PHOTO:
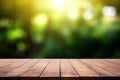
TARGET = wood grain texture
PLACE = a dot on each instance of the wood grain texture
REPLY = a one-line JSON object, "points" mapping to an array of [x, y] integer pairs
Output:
{"points": [[7, 62], [37, 69], [60, 69], [107, 67], [52, 70], [114, 60], [21, 69], [10, 67], [101, 72], [111, 66], [67, 70], [82, 69]]}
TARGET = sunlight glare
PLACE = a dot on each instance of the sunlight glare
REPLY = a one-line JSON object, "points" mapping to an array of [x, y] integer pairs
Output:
{"points": [[73, 14], [58, 4], [72, 10]]}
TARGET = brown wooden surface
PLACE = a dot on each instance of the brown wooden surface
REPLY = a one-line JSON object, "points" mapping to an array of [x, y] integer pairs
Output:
{"points": [[59, 69]]}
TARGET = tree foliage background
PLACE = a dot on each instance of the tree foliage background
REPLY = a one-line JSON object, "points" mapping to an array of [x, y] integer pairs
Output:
{"points": [[39, 29]]}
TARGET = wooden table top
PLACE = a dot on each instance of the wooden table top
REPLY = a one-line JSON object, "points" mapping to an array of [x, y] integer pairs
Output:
{"points": [[59, 69]]}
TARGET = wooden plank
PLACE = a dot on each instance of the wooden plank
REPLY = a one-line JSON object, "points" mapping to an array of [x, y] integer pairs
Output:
{"points": [[52, 71], [116, 61], [6, 69], [111, 64], [18, 71], [82, 69], [100, 71], [37, 69], [67, 70], [114, 67], [59, 69], [106, 67], [6, 62]]}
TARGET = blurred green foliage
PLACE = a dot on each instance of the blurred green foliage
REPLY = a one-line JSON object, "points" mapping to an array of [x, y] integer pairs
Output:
{"points": [[46, 29]]}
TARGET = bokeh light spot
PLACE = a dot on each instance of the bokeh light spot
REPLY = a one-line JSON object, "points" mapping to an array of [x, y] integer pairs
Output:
{"points": [[73, 14], [5, 22], [15, 34], [88, 15], [109, 11], [40, 20]]}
